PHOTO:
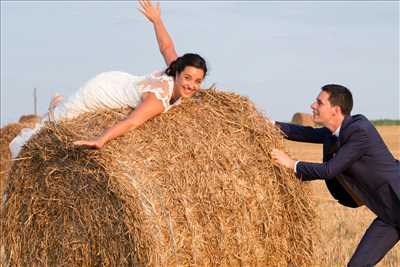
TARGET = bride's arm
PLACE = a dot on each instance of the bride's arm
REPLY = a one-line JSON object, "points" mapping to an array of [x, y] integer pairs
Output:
{"points": [[147, 109], [165, 42]]}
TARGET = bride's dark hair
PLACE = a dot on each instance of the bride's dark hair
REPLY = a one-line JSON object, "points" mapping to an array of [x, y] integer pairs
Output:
{"points": [[179, 64]]}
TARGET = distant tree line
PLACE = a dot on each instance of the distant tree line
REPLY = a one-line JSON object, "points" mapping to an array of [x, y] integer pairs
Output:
{"points": [[385, 122]]}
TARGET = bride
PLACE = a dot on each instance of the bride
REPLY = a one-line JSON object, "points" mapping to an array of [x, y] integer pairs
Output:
{"points": [[149, 95]]}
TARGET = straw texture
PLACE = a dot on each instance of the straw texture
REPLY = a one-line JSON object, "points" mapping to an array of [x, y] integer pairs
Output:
{"points": [[7, 134], [192, 187]]}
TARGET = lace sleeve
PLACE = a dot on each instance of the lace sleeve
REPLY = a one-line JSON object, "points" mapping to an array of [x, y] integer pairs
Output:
{"points": [[160, 85]]}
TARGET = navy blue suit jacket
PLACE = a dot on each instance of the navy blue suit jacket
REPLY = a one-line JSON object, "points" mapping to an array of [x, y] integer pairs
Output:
{"points": [[362, 159]]}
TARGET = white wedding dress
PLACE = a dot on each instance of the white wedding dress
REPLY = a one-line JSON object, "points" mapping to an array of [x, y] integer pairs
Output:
{"points": [[113, 89]]}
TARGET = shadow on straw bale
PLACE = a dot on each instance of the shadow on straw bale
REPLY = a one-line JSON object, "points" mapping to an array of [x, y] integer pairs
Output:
{"points": [[192, 187], [304, 119]]}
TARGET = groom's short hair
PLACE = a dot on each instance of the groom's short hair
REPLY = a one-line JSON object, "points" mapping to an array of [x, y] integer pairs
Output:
{"points": [[339, 96]]}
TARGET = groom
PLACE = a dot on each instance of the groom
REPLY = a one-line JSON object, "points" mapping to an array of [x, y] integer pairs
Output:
{"points": [[358, 168]]}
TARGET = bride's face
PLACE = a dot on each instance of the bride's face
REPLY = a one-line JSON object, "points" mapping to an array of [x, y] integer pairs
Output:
{"points": [[188, 81]]}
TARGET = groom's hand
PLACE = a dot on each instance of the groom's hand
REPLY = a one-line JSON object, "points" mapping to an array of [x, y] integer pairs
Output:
{"points": [[281, 158]]}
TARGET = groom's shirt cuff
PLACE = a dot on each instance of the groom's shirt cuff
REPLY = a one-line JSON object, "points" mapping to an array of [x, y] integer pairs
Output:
{"points": [[295, 166]]}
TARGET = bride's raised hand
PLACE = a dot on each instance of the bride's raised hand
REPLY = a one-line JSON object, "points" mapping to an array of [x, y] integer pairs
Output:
{"points": [[151, 12], [165, 42]]}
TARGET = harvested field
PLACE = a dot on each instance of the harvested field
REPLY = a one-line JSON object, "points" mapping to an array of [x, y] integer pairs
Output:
{"points": [[340, 228], [192, 187]]}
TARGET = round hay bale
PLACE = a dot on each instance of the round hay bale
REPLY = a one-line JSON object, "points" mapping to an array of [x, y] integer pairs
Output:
{"points": [[192, 187], [30, 119], [304, 119]]}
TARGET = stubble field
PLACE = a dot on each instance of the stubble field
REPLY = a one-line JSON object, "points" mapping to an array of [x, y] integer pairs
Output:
{"points": [[340, 228]]}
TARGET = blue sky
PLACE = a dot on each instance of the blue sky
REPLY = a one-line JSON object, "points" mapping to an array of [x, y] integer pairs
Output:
{"points": [[278, 53]]}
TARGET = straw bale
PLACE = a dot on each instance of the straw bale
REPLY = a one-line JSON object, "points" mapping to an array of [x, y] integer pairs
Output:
{"points": [[30, 119], [304, 119], [7, 134], [192, 187]]}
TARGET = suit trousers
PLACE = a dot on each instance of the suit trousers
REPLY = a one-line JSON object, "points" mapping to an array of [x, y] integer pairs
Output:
{"points": [[379, 238]]}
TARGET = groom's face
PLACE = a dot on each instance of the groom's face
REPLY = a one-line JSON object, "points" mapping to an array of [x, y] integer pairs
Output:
{"points": [[323, 111]]}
